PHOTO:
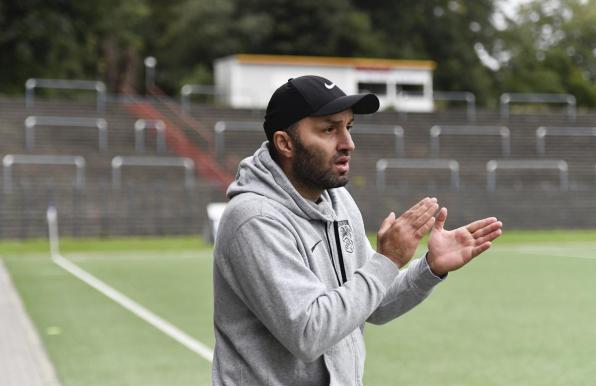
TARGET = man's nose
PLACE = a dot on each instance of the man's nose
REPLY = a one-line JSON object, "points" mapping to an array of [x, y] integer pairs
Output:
{"points": [[345, 141]]}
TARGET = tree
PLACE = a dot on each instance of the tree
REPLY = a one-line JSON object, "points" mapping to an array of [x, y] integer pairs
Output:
{"points": [[206, 30], [549, 47], [69, 39], [445, 31]]}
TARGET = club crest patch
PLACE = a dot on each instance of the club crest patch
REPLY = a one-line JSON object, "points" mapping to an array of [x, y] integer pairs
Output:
{"points": [[346, 235]]}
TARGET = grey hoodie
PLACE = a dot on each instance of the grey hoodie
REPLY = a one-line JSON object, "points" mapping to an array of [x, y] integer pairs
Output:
{"points": [[295, 281]]}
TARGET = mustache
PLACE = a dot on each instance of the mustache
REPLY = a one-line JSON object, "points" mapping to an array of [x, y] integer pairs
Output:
{"points": [[344, 153]]}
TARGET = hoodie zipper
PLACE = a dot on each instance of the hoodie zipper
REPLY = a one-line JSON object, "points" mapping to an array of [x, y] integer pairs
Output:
{"points": [[331, 254], [339, 253]]}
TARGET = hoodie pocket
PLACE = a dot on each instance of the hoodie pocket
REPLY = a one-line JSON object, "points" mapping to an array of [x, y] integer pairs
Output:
{"points": [[359, 354], [343, 363]]}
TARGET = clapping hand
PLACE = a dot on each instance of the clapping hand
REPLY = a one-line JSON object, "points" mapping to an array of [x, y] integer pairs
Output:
{"points": [[451, 250], [399, 237]]}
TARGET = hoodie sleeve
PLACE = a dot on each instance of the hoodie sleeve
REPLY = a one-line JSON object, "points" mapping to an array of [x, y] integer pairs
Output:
{"points": [[410, 288], [264, 267]]}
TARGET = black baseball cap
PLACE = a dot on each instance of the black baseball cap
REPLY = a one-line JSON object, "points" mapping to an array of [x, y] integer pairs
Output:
{"points": [[311, 95]]}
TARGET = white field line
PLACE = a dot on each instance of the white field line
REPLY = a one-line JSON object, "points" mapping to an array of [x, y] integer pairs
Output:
{"points": [[132, 306], [554, 251]]}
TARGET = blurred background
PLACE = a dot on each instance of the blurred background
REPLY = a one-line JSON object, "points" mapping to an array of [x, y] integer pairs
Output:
{"points": [[511, 82], [130, 117], [486, 47]]}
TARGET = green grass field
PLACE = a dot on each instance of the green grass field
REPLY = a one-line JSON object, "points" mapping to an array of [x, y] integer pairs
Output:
{"points": [[523, 313]]}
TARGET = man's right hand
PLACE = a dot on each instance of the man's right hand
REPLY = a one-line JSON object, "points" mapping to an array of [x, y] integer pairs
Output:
{"points": [[399, 237]]}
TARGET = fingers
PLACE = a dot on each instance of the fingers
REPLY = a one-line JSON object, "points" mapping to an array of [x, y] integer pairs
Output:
{"points": [[490, 237], [489, 233], [481, 248], [386, 224], [441, 217], [427, 205], [420, 214], [422, 219], [476, 225], [487, 229], [425, 228], [418, 208]]}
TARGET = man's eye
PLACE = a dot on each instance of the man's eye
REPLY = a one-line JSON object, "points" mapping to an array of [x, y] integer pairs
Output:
{"points": [[329, 130], [350, 127]]}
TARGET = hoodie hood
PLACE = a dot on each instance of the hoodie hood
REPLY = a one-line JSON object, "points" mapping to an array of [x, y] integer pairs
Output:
{"points": [[260, 174]]}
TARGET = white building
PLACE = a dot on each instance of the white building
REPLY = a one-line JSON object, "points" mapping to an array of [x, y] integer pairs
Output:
{"points": [[247, 81]]}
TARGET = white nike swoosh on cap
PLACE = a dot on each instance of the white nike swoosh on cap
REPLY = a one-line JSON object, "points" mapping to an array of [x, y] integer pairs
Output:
{"points": [[329, 86]]}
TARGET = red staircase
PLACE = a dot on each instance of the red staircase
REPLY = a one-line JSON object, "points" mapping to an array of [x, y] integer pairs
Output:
{"points": [[206, 165]]}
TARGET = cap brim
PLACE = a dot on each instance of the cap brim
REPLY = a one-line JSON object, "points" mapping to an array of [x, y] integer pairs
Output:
{"points": [[360, 104]]}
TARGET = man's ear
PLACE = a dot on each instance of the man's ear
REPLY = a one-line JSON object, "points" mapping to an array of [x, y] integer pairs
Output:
{"points": [[283, 144]]}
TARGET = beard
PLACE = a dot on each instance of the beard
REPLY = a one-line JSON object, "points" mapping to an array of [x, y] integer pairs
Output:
{"points": [[312, 169]]}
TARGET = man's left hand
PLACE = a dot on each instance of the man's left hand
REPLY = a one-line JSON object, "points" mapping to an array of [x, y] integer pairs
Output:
{"points": [[451, 250]]}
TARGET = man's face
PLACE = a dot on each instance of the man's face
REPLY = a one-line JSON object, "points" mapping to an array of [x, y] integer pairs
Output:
{"points": [[322, 148]]}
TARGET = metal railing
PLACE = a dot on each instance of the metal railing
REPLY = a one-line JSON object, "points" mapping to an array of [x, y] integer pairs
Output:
{"points": [[408, 163], [28, 159], [32, 122], [493, 165], [199, 89], [394, 130], [141, 125], [507, 98], [98, 87], [119, 161], [543, 131], [459, 96], [502, 131], [222, 126]]}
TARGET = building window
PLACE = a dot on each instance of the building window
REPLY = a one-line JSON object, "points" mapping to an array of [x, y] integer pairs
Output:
{"points": [[415, 90], [374, 88]]}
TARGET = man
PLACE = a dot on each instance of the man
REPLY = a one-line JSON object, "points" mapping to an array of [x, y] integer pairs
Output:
{"points": [[295, 277]]}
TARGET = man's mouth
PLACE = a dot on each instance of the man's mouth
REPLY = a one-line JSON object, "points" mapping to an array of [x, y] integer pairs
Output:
{"points": [[343, 164]]}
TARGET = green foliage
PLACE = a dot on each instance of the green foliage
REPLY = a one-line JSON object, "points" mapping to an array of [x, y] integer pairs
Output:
{"points": [[440, 30], [546, 47], [312, 27], [69, 39], [205, 31], [550, 48]]}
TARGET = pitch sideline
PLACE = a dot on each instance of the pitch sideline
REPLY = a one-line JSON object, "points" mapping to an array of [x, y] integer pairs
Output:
{"points": [[162, 325]]}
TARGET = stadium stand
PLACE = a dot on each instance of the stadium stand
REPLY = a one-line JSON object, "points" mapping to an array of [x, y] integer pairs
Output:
{"points": [[155, 200], [150, 201], [471, 152]]}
